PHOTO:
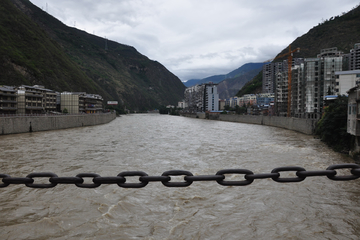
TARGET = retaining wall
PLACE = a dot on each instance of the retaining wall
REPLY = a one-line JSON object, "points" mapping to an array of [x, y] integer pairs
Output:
{"points": [[302, 125], [22, 124]]}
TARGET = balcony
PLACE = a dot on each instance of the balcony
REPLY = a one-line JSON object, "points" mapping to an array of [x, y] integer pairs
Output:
{"points": [[8, 94], [8, 101], [8, 108], [33, 108]]}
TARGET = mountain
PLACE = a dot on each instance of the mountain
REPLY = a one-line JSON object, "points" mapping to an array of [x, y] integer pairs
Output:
{"points": [[191, 82], [36, 48], [229, 84], [233, 74], [339, 31]]}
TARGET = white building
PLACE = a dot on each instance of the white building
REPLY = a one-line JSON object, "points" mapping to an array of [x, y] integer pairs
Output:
{"points": [[211, 97], [202, 98], [345, 80]]}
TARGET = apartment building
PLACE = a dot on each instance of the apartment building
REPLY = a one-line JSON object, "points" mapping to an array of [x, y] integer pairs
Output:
{"points": [[35, 99], [354, 57], [247, 100], [346, 80], [39, 100], [181, 105], [92, 103], [211, 97], [264, 99], [312, 79], [314, 84], [281, 93], [271, 70], [200, 98], [8, 102], [298, 87], [30, 100], [269, 76], [321, 80], [69, 102], [193, 97], [77, 102]]}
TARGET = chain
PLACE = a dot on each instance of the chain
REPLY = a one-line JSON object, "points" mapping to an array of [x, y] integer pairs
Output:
{"points": [[189, 178]]}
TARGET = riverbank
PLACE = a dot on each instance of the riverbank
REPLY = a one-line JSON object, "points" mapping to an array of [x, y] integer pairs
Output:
{"points": [[23, 124], [306, 126]]}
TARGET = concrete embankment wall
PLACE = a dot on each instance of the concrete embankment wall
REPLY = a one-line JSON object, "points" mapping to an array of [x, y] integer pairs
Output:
{"points": [[22, 124], [306, 126]]}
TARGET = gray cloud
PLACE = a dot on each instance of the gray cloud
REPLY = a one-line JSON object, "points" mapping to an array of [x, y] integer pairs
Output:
{"points": [[196, 39]]}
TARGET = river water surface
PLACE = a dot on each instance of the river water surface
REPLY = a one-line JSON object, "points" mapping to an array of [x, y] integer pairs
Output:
{"points": [[316, 208]]}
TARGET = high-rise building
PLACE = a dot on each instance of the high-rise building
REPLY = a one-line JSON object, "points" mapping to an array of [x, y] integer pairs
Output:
{"points": [[298, 91], [313, 86], [269, 75], [271, 70], [321, 80], [193, 97], [211, 97], [311, 80], [201, 98], [281, 93], [354, 57]]}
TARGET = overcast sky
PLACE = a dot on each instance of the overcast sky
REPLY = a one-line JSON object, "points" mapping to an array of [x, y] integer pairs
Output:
{"points": [[198, 38]]}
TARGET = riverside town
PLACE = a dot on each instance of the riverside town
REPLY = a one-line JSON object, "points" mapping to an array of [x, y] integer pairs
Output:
{"points": [[314, 81], [299, 88], [38, 100]]}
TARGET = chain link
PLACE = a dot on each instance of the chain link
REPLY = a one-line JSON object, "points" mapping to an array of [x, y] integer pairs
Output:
{"points": [[189, 178]]}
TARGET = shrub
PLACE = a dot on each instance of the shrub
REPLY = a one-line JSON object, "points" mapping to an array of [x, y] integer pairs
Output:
{"points": [[332, 127]]}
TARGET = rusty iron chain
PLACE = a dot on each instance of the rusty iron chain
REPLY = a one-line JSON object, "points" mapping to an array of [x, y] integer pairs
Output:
{"points": [[189, 178]]}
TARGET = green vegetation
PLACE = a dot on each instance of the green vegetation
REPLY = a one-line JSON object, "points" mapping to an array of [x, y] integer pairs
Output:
{"points": [[253, 86], [118, 108], [340, 31], [237, 109], [332, 126], [171, 111]]}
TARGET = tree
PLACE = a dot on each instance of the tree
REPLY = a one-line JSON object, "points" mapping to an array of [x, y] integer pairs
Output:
{"points": [[332, 127], [240, 110], [227, 107]]}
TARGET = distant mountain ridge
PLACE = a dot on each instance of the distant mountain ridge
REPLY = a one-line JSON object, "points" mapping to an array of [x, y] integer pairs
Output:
{"points": [[191, 82], [232, 82], [36, 48]]}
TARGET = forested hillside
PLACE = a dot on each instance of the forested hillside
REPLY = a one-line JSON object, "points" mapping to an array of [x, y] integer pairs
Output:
{"points": [[36, 48], [338, 31]]}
